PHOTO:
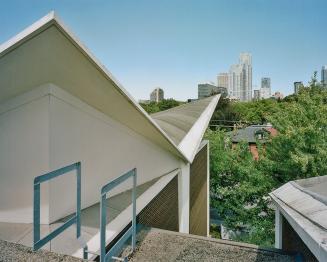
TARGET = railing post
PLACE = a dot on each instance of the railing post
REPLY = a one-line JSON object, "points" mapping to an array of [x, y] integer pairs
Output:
{"points": [[103, 219], [78, 198], [131, 232], [134, 210], [76, 219], [36, 213]]}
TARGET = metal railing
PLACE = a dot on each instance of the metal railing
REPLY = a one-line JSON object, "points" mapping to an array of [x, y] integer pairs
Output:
{"points": [[76, 219], [131, 232]]}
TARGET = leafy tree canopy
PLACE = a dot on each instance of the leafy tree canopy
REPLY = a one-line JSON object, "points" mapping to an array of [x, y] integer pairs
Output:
{"points": [[240, 186], [154, 107]]}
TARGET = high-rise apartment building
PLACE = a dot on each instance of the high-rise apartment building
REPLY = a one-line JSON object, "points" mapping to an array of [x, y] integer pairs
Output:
{"points": [[157, 95], [324, 75], [256, 94], [222, 80], [208, 89], [265, 90], [240, 78], [297, 86]]}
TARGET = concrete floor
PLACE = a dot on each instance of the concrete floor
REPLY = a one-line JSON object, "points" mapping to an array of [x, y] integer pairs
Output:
{"points": [[66, 242]]}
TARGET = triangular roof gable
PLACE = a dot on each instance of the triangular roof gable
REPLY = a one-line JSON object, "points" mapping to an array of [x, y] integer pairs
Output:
{"points": [[61, 70], [186, 124]]}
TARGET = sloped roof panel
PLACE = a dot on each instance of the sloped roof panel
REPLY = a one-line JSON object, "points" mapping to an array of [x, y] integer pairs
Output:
{"points": [[304, 204], [186, 124], [47, 52]]}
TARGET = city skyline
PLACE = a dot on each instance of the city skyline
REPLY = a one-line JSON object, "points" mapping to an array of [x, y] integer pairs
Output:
{"points": [[176, 45]]}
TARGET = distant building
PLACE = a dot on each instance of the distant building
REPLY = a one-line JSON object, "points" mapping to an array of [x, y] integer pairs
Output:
{"points": [[208, 89], [324, 75], [157, 95], [240, 78], [256, 94], [297, 86], [223, 80], [278, 95], [265, 90], [144, 101]]}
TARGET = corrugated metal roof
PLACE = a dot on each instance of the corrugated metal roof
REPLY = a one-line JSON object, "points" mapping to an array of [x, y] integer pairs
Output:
{"points": [[177, 121]]}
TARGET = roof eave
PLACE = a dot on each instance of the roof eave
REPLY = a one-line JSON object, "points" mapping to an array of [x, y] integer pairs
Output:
{"points": [[52, 19], [193, 138]]}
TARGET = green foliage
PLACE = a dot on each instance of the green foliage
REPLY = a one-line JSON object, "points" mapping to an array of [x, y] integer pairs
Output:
{"points": [[225, 111], [154, 107], [256, 112], [240, 185]]}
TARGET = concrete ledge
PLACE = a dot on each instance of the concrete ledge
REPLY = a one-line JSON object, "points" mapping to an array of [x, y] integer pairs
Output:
{"points": [[16, 252], [161, 245]]}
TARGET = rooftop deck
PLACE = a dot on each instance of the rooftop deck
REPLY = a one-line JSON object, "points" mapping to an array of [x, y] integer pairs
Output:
{"points": [[66, 242], [161, 245]]}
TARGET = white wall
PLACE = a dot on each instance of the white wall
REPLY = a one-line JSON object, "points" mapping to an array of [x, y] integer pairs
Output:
{"points": [[24, 154], [48, 132]]}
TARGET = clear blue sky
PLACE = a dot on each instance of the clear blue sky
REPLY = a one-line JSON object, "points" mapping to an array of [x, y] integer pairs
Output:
{"points": [[175, 44]]}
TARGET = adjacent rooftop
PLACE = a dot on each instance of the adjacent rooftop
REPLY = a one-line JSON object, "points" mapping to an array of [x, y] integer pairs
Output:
{"points": [[304, 204], [173, 246]]}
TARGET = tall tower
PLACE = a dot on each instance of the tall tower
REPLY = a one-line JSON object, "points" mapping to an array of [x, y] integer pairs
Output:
{"points": [[222, 80], [265, 90], [246, 85], [157, 95], [234, 82], [240, 78], [324, 75]]}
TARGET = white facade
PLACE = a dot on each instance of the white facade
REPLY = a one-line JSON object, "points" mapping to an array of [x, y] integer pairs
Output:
{"points": [[58, 106], [46, 129], [265, 93], [157, 95], [324, 75], [222, 80], [240, 78]]}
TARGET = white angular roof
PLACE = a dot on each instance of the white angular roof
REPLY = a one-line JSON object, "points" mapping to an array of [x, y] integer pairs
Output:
{"points": [[47, 52]]}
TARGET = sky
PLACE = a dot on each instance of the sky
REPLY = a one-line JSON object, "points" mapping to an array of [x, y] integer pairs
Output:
{"points": [[176, 44]]}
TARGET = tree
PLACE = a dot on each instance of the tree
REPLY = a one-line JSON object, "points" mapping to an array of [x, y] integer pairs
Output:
{"points": [[239, 185], [154, 107]]}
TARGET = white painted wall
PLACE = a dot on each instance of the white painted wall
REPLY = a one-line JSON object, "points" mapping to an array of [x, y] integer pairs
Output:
{"points": [[184, 198], [106, 149], [278, 229], [24, 154], [52, 129]]}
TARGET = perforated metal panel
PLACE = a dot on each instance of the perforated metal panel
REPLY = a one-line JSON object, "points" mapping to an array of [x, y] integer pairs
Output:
{"points": [[162, 211], [198, 194]]}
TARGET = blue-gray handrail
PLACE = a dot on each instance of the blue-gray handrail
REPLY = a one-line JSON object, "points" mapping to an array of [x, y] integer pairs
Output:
{"points": [[76, 219], [131, 232]]}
